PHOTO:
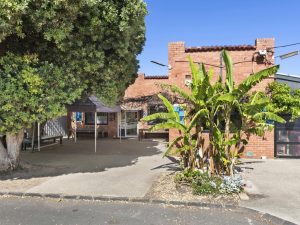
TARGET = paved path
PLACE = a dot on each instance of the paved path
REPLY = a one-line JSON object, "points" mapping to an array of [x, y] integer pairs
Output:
{"points": [[125, 169], [274, 187], [34, 211]]}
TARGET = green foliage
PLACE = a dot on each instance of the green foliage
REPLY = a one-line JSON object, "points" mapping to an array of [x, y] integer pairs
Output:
{"points": [[184, 143], [205, 184], [211, 106], [31, 91], [94, 42], [284, 100]]}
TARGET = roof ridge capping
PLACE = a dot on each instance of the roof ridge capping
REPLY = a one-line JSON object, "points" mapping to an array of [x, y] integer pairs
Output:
{"points": [[220, 47], [156, 76]]}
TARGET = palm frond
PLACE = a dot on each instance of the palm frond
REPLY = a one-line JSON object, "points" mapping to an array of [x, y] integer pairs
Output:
{"points": [[268, 116], [229, 70], [168, 125], [179, 91], [254, 79], [196, 117], [164, 116], [228, 97], [169, 106], [196, 76], [174, 142]]}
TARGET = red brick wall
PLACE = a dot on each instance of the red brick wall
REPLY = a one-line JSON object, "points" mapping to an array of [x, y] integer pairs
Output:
{"points": [[144, 87], [178, 58]]}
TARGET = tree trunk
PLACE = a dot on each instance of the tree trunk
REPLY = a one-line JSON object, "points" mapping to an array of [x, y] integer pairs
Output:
{"points": [[4, 160], [10, 157], [200, 146], [227, 132], [211, 147]]}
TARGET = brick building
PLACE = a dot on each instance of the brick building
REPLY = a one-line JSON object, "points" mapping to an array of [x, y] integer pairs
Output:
{"points": [[247, 59]]}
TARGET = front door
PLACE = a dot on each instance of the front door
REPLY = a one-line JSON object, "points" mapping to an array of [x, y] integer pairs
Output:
{"points": [[129, 123]]}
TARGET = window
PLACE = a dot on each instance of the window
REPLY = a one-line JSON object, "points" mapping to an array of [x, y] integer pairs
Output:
{"points": [[102, 118], [287, 138]]}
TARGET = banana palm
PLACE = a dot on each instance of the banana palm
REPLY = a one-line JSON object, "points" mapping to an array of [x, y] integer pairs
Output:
{"points": [[184, 143], [253, 113], [201, 96], [209, 104]]}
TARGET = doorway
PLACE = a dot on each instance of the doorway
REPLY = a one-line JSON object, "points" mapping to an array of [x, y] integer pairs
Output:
{"points": [[129, 123]]}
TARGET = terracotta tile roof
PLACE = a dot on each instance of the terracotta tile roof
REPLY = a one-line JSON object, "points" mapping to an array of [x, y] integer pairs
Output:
{"points": [[156, 76], [219, 48]]}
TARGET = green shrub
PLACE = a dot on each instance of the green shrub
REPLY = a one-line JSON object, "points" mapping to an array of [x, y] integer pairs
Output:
{"points": [[204, 184]]}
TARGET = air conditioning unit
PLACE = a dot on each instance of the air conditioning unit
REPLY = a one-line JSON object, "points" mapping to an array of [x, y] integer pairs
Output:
{"points": [[187, 82], [263, 52]]}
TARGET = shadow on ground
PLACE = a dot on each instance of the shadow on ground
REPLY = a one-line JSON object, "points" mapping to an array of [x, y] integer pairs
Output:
{"points": [[80, 157]]}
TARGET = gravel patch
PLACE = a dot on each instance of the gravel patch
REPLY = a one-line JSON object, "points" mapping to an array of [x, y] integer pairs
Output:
{"points": [[165, 188]]}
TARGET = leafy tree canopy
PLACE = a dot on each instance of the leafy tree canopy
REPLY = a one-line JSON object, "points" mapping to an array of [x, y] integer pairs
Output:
{"points": [[93, 41], [31, 91], [284, 100]]}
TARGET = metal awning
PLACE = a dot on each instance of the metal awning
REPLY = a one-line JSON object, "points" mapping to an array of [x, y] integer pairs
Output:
{"points": [[91, 104]]}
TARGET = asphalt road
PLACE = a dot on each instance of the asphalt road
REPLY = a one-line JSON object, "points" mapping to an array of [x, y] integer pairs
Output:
{"points": [[31, 211]]}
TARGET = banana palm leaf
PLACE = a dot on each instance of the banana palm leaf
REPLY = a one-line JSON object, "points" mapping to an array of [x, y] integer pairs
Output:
{"points": [[228, 97], [229, 70], [169, 106], [180, 92], [200, 113], [155, 116], [174, 142], [268, 116], [168, 125], [254, 79]]}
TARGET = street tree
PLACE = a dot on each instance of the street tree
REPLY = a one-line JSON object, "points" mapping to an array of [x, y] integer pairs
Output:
{"points": [[53, 51]]}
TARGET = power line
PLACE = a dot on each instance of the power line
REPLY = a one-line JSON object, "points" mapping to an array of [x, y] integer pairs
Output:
{"points": [[283, 46]]}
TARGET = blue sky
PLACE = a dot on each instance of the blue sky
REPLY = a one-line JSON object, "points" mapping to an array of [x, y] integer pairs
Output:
{"points": [[223, 22]]}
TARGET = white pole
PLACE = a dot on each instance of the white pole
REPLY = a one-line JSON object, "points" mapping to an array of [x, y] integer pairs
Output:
{"points": [[39, 137], [95, 132], [75, 129], [120, 131], [33, 136]]}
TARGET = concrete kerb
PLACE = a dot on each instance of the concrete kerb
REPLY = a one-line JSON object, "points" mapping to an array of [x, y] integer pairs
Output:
{"points": [[266, 216]]}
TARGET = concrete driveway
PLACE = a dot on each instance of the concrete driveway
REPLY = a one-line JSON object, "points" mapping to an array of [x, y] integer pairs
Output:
{"points": [[274, 187], [125, 169]]}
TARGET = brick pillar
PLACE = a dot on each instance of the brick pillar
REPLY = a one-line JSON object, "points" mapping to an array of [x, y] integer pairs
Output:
{"points": [[175, 49], [258, 146]]}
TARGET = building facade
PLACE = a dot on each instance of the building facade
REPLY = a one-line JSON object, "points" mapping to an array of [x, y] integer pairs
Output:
{"points": [[247, 59], [140, 98]]}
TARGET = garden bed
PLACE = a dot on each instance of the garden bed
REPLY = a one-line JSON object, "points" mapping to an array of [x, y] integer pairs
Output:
{"points": [[165, 188]]}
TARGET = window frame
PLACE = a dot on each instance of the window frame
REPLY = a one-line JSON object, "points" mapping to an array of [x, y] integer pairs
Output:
{"points": [[98, 122]]}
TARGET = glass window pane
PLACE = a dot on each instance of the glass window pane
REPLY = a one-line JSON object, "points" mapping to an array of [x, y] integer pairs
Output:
{"points": [[288, 149], [102, 118], [89, 118]]}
